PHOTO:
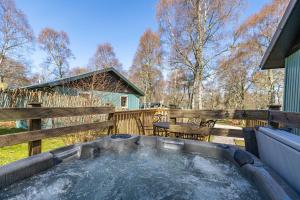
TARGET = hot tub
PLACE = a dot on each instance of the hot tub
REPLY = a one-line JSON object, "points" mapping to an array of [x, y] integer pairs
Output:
{"points": [[141, 167]]}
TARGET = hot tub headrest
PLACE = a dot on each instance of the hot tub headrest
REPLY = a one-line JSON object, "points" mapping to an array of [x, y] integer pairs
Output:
{"points": [[242, 158], [120, 136]]}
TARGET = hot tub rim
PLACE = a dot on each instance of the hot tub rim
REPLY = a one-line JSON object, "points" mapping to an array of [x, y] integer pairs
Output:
{"points": [[269, 183]]}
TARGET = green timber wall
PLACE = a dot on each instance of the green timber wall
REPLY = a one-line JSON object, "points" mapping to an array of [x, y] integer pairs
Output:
{"points": [[113, 98], [291, 100]]}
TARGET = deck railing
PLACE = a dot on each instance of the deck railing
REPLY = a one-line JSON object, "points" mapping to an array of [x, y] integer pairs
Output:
{"points": [[124, 121], [255, 123], [214, 115], [35, 113]]}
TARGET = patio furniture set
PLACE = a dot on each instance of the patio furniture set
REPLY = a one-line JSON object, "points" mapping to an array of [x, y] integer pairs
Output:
{"points": [[161, 127]]}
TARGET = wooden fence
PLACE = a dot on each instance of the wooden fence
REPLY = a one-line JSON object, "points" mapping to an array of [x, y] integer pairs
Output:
{"points": [[35, 134], [214, 115], [254, 123], [124, 121]]}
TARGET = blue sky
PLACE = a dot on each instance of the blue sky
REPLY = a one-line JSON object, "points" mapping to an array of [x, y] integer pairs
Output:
{"points": [[91, 22]]}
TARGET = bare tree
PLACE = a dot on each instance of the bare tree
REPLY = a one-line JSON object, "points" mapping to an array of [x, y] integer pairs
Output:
{"points": [[178, 88], [145, 70], [105, 57], [98, 85], [78, 70], [36, 78], [17, 75], [235, 77], [195, 31], [257, 32], [239, 71], [213, 98], [16, 37], [56, 45]]}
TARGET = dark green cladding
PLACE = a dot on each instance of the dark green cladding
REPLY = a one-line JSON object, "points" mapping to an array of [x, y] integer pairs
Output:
{"points": [[292, 84]]}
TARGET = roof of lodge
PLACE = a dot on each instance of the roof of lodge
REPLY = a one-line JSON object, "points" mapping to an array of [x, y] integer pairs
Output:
{"points": [[85, 75], [286, 39]]}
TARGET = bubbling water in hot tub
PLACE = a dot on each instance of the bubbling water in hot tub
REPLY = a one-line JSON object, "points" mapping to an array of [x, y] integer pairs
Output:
{"points": [[146, 173]]}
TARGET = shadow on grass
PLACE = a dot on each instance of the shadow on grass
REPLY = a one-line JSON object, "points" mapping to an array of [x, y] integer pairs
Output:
{"points": [[7, 130], [16, 152]]}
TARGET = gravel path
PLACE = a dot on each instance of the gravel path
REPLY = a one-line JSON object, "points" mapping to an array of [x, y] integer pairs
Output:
{"points": [[222, 139]]}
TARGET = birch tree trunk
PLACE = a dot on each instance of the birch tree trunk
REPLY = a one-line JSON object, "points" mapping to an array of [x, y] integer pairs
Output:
{"points": [[197, 92]]}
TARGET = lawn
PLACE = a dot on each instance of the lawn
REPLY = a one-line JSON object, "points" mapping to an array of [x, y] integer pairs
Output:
{"points": [[12, 153], [6, 130], [240, 143]]}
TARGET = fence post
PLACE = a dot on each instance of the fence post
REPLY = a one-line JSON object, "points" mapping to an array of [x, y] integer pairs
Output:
{"points": [[34, 147], [270, 123], [172, 120], [250, 141], [112, 130]]}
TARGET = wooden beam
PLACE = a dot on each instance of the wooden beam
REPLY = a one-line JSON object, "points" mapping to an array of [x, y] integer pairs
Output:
{"points": [[220, 114], [17, 138], [227, 132], [206, 131], [7, 114], [112, 129], [290, 119], [34, 147], [270, 122]]}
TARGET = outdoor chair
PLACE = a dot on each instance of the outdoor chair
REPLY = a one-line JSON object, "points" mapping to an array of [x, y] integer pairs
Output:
{"points": [[195, 121], [160, 118], [157, 118], [201, 123], [209, 123], [142, 129], [160, 131]]}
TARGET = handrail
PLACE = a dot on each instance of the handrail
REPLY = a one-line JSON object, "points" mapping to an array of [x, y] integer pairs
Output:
{"points": [[37, 113], [17, 138], [124, 121], [290, 119], [221, 114]]}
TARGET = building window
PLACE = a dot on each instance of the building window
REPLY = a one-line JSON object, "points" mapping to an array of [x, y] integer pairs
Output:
{"points": [[124, 101]]}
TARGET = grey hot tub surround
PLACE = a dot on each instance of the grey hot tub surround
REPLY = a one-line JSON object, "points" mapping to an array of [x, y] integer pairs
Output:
{"points": [[269, 183], [280, 150]]}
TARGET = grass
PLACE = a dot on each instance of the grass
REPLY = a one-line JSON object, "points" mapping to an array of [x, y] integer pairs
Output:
{"points": [[211, 138], [240, 143], [16, 152], [6, 130]]}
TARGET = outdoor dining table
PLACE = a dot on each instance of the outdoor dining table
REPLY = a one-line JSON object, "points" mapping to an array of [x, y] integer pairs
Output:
{"points": [[165, 126]]}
